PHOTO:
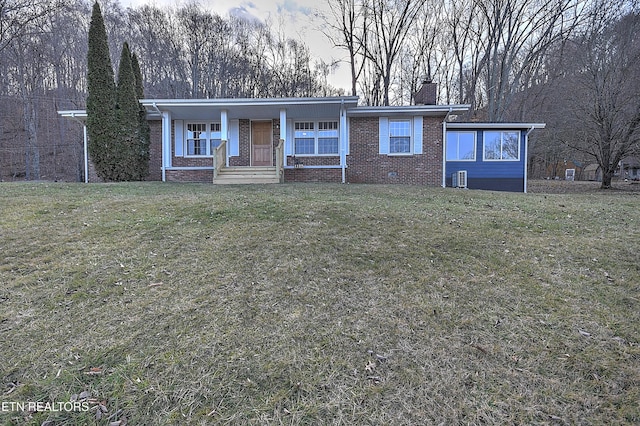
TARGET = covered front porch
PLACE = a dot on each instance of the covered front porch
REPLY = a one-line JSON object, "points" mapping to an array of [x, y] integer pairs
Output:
{"points": [[250, 140]]}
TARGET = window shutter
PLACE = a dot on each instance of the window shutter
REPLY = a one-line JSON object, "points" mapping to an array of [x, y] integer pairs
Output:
{"points": [[234, 138], [288, 142], [384, 135], [179, 137], [417, 135]]}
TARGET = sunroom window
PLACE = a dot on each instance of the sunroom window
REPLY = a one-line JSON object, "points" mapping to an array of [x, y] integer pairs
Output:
{"points": [[502, 146], [461, 146]]}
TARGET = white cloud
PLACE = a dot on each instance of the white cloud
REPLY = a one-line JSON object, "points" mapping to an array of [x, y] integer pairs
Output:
{"points": [[292, 7]]}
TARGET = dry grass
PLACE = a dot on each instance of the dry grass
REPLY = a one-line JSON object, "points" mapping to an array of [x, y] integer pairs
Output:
{"points": [[305, 304]]}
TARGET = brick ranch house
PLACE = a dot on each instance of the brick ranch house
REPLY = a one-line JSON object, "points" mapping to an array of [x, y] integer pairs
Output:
{"points": [[329, 139]]}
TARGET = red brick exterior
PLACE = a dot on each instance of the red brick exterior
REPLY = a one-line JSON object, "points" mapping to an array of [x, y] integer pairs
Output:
{"points": [[190, 175], [366, 165], [244, 159], [155, 151]]}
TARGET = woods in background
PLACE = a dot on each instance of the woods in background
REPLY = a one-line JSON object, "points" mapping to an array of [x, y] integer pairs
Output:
{"points": [[556, 61]]}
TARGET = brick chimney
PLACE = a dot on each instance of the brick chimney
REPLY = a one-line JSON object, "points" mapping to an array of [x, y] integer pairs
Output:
{"points": [[427, 94]]}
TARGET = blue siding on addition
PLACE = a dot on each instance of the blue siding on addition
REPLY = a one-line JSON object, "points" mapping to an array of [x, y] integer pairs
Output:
{"points": [[496, 175]]}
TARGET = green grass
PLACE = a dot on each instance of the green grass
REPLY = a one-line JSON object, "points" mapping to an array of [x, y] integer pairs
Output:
{"points": [[319, 304]]}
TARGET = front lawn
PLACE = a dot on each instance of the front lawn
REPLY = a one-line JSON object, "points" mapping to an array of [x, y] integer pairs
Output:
{"points": [[318, 304]]}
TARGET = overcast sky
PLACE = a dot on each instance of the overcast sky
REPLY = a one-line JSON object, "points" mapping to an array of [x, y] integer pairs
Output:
{"points": [[300, 19]]}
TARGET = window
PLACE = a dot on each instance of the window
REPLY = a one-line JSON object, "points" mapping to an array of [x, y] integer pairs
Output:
{"points": [[502, 146], [215, 137], [399, 136], [316, 138], [461, 146], [196, 139], [202, 138]]}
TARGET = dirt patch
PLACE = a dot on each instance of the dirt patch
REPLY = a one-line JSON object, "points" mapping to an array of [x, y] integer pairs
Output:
{"points": [[578, 187]]}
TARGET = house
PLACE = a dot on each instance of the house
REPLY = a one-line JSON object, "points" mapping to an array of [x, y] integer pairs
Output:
{"points": [[630, 168], [330, 139]]}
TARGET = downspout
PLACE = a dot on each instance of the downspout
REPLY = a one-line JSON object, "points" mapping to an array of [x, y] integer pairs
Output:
{"points": [[444, 148], [164, 167], [85, 148], [526, 157]]}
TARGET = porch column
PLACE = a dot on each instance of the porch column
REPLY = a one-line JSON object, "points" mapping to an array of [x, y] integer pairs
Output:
{"points": [[343, 139], [224, 131], [283, 134], [166, 143]]}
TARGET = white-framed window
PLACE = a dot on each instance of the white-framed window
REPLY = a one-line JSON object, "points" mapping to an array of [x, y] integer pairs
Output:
{"points": [[315, 138], [399, 136], [502, 145], [202, 139], [461, 146]]}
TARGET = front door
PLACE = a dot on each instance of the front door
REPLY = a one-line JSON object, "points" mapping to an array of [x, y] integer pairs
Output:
{"points": [[261, 143]]}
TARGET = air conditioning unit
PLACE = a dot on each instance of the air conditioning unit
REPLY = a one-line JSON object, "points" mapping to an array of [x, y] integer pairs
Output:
{"points": [[459, 179]]}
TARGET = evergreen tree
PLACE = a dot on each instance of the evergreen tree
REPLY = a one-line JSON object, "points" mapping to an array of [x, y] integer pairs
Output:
{"points": [[128, 118], [145, 131], [101, 121]]}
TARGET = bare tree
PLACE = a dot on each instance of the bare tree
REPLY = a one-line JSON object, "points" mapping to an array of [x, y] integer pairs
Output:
{"points": [[391, 22], [348, 29], [605, 118]]}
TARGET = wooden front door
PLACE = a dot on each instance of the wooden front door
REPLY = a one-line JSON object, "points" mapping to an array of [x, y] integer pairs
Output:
{"points": [[261, 143]]}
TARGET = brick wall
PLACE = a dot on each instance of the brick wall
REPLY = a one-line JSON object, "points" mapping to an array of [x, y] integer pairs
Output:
{"points": [[367, 166], [244, 159], [313, 175], [189, 175], [155, 151]]}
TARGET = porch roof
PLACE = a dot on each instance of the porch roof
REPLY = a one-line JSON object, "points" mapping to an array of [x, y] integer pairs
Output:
{"points": [[257, 109]]}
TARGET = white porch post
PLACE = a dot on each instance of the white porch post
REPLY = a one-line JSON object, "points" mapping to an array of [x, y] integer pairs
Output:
{"points": [[224, 131], [166, 143], [283, 133], [343, 142]]}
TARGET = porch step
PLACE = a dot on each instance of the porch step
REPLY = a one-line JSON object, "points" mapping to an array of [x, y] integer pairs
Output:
{"points": [[246, 175]]}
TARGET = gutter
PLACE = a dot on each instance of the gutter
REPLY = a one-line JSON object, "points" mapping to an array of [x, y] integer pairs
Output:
{"points": [[156, 108]]}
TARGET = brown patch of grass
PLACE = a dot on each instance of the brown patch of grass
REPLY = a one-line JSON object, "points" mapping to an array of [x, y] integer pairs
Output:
{"points": [[319, 304], [579, 187]]}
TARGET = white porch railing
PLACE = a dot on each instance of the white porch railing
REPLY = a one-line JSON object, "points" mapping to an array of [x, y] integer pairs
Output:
{"points": [[280, 161], [219, 158]]}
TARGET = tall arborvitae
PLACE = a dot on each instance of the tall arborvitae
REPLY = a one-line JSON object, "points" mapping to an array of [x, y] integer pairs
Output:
{"points": [[101, 120], [127, 117], [145, 131]]}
